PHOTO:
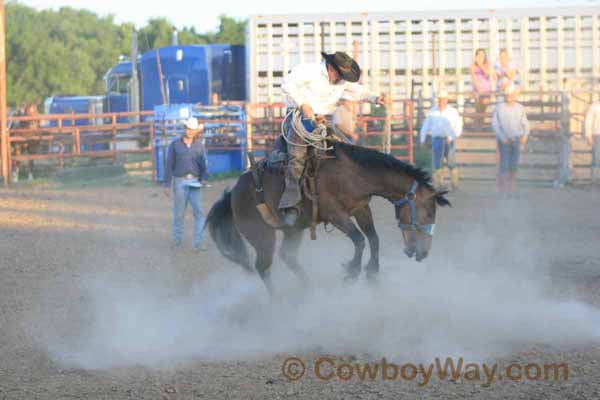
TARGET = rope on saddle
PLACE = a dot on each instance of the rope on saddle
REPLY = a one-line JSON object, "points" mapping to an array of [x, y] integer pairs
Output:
{"points": [[317, 138]]}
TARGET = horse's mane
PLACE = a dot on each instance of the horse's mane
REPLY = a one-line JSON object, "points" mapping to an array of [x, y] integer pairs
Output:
{"points": [[374, 159]]}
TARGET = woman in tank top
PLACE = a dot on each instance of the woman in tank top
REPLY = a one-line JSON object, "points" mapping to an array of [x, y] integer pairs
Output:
{"points": [[482, 75]]}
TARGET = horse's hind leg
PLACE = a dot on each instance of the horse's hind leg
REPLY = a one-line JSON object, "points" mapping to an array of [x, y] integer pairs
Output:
{"points": [[290, 246], [262, 238], [364, 218]]}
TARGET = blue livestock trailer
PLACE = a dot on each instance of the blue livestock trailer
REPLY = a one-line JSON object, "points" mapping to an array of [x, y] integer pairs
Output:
{"points": [[79, 105]]}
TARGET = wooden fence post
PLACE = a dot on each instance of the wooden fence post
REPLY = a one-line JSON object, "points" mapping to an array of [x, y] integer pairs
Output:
{"points": [[249, 139], [4, 142], [564, 174], [152, 151], [387, 132], [77, 142], [411, 146]]}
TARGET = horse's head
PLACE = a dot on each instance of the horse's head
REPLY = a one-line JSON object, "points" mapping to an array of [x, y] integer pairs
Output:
{"points": [[415, 213]]}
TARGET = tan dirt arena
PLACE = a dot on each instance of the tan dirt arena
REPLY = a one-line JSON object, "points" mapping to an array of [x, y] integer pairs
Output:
{"points": [[94, 304]]}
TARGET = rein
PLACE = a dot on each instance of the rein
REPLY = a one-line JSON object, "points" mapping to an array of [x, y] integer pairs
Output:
{"points": [[409, 198]]}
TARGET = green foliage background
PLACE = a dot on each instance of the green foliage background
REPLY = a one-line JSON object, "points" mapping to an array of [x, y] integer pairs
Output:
{"points": [[67, 52]]}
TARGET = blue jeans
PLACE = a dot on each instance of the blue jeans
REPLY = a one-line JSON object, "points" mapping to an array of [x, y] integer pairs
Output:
{"points": [[509, 155], [182, 195], [442, 149]]}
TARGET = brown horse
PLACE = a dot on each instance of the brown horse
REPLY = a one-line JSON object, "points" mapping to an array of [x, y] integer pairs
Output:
{"points": [[345, 182], [31, 146]]}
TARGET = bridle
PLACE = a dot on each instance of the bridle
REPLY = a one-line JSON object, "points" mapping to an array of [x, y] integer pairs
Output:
{"points": [[409, 198]]}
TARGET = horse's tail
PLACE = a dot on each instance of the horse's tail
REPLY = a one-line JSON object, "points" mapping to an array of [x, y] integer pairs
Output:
{"points": [[225, 234]]}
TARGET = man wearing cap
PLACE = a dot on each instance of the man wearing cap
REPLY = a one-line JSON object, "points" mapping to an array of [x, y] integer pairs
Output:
{"points": [[511, 126], [592, 134], [316, 88], [444, 124], [186, 167]]}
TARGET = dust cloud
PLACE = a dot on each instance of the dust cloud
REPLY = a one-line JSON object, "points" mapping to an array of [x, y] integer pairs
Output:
{"points": [[482, 293]]}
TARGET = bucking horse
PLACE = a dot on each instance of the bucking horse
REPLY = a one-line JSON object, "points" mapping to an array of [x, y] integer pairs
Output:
{"points": [[345, 178]]}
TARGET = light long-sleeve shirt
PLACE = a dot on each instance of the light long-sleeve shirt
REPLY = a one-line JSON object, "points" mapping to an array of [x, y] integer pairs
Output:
{"points": [[442, 123], [510, 121], [309, 84], [592, 120]]}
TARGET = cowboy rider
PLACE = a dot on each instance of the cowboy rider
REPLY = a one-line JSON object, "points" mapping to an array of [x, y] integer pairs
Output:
{"points": [[316, 88]]}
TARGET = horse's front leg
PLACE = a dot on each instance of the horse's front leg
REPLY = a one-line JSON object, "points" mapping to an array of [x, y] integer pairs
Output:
{"points": [[364, 218], [345, 224], [292, 240]]}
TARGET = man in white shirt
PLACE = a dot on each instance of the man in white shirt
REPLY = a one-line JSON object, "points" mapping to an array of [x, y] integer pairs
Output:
{"points": [[316, 88], [592, 134], [444, 124]]}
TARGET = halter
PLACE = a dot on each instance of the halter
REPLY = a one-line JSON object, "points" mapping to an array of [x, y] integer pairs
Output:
{"points": [[409, 198]]}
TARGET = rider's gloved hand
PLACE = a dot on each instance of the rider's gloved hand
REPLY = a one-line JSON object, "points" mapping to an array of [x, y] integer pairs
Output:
{"points": [[307, 111]]}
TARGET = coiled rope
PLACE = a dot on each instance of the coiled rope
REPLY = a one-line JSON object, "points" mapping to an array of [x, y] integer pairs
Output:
{"points": [[317, 138]]}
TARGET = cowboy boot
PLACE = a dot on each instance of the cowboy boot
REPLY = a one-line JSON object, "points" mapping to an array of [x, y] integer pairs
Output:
{"points": [[454, 178], [502, 183], [512, 184]]}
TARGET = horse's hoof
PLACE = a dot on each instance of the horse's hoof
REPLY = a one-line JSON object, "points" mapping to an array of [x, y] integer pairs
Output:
{"points": [[350, 266], [373, 277], [351, 278]]}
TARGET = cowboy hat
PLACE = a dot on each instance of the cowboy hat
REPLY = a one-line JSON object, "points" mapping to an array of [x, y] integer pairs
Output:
{"points": [[192, 124], [442, 94], [344, 65]]}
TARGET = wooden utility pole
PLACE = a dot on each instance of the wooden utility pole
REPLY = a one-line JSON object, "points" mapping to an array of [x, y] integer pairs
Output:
{"points": [[4, 145], [134, 84], [434, 71]]}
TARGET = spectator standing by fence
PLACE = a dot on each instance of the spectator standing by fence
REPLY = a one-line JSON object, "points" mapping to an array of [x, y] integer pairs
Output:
{"points": [[186, 167], [592, 134], [344, 118], [482, 75], [444, 124], [511, 126], [506, 71]]}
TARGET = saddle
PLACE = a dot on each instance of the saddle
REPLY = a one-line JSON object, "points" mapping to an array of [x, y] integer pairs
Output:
{"points": [[277, 160]]}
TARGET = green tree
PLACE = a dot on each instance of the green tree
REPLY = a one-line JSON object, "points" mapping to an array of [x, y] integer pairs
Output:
{"points": [[67, 52], [59, 52], [157, 33], [231, 31]]}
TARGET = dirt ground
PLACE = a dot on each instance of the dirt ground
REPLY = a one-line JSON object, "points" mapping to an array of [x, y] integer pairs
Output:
{"points": [[55, 241]]}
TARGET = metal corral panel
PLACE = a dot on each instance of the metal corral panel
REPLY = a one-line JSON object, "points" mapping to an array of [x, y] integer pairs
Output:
{"points": [[550, 46], [225, 138]]}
